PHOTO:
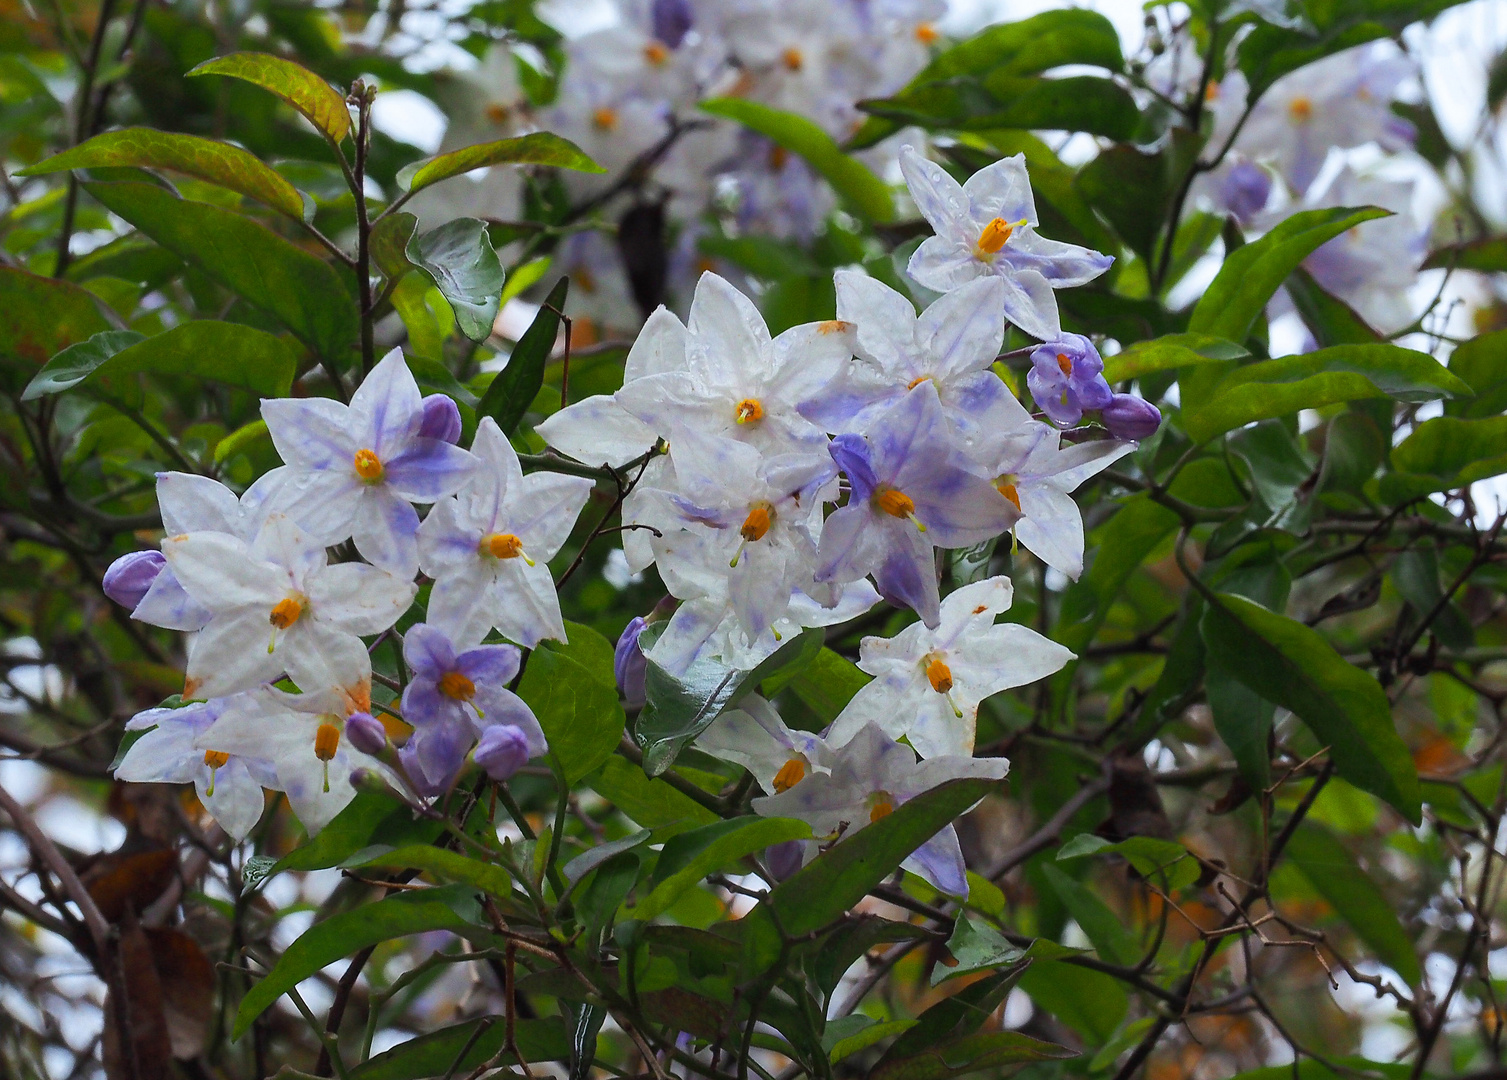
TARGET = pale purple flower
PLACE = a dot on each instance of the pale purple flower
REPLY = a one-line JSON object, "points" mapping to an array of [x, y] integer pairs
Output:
{"points": [[441, 419], [366, 733], [1067, 379], [987, 227], [629, 665], [1131, 418], [909, 494], [502, 751], [355, 470], [130, 577], [453, 696]]}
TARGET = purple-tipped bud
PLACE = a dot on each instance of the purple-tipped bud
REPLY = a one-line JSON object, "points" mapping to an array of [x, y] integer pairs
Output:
{"points": [[1245, 190], [671, 20], [1131, 418], [441, 419], [372, 782], [502, 751], [784, 858], [366, 733], [629, 664], [130, 576]]}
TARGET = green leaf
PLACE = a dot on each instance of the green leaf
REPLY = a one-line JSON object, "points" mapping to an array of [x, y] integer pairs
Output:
{"points": [[650, 802], [324, 943], [1481, 362], [1090, 1002], [39, 317], [1165, 862], [832, 883], [970, 1054], [866, 1037], [1001, 101], [1243, 719], [1328, 318], [1350, 1068], [1167, 353], [827, 684], [580, 714], [228, 353], [1103, 928], [1355, 897], [1050, 39], [366, 819], [1445, 453], [1293, 666], [515, 387], [321, 104], [1121, 545], [435, 1053], [977, 946], [217, 163], [538, 148], [273, 274], [1273, 388], [691, 856], [442, 863], [1252, 273], [459, 259], [1486, 256], [868, 195]]}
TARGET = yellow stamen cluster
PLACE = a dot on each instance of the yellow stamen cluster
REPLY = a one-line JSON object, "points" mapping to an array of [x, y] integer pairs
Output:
{"points": [[503, 546], [917, 381], [326, 742], [1006, 487], [995, 235], [498, 113], [456, 686], [285, 612], [1300, 109], [897, 503], [216, 760], [880, 808], [926, 33], [368, 466], [790, 774], [778, 156], [604, 119], [757, 523], [748, 411], [939, 675], [793, 58], [656, 53], [1065, 363]]}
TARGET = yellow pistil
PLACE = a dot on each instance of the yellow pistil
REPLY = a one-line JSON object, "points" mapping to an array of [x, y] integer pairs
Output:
{"points": [[284, 614], [790, 774], [1300, 109], [216, 760], [881, 807], [456, 686], [604, 119], [326, 742], [503, 546], [897, 503], [656, 53], [793, 58], [926, 33], [748, 411], [996, 235], [368, 466]]}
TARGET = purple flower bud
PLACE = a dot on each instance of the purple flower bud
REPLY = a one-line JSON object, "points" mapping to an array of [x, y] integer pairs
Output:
{"points": [[502, 751], [130, 576], [1131, 418], [784, 858], [1245, 190], [441, 419], [366, 733], [629, 664], [671, 20]]}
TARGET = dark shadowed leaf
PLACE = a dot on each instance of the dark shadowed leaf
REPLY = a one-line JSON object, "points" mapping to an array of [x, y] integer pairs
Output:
{"points": [[42, 316], [435, 1053], [515, 387], [691, 856]]}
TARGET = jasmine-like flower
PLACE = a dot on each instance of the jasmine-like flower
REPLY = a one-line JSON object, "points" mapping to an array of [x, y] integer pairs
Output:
{"points": [[454, 695], [754, 736], [909, 493], [928, 683], [1067, 379], [951, 345], [987, 227], [277, 606], [302, 736], [228, 785], [870, 776], [355, 470], [488, 548]]}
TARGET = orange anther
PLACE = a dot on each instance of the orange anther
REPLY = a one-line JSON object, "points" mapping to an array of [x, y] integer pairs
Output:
{"points": [[994, 236], [939, 675], [326, 741], [790, 774], [502, 546], [285, 612], [456, 686], [368, 466], [748, 411], [757, 523], [895, 503]]}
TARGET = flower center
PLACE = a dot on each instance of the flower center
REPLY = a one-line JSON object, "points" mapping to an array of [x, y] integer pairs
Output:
{"points": [[604, 119], [917, 381], [880, 806], [1006, 487], [1211, 92], [757, 523], [456, 686], [498, 113], [215, 759], [926, 33], [1300, 109], [790, 774], [326, 742], [939, 674], [284, 614], [368, 467], [583, 280], [656, 53], [1065, 362], [748, 411], [793, 58], [995, 235]]}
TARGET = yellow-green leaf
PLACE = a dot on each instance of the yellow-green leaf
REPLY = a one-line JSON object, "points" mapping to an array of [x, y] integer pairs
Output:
{"points": [[321, 104], [539, 148]]}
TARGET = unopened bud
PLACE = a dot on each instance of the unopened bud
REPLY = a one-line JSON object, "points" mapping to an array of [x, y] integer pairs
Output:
{"points": [[441, 419], [629, 664], [671, 20], [366, 733], [502, 751], [130, 576], [784, 858], [1131, 418], [371, 782]]}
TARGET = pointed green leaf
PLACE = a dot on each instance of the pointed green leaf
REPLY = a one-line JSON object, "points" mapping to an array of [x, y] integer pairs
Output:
{"points": [[434, 1053], [691, 856], [1446, 453], [215, 162], [1168, 352], [459, 259], [321, 104], [986, 1050], [579, 712], [39, 317], [441, 862], [515, 386], [538, 148]]}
